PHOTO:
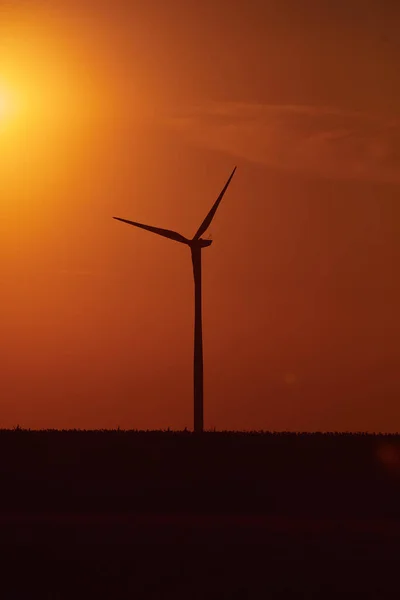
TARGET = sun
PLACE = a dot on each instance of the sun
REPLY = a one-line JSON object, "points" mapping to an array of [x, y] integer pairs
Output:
{"points": [[7, 105], [3, 104]]}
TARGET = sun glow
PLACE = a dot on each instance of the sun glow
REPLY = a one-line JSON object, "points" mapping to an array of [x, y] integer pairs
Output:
{"points": [[50, 95], [50, 86]]}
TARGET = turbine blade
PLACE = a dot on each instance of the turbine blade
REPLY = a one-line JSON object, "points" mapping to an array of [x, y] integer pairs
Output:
{"points": [[207, 221], [172, 235]]}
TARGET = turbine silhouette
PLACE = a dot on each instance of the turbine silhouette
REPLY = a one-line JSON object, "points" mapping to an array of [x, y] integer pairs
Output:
{"points": [[196, 245]]}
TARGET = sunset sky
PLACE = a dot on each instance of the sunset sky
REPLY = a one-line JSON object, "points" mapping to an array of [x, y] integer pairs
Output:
{"points": [[141, 109]]}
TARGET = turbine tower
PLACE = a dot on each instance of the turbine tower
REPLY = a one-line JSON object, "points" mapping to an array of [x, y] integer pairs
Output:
{"points": [[196, 245]]}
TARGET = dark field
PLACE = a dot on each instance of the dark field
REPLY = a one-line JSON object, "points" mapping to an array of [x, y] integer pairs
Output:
{"points": [[226, 515]]}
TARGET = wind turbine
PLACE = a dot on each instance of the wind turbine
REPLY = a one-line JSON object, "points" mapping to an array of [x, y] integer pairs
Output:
{"points": [[196, 244]]}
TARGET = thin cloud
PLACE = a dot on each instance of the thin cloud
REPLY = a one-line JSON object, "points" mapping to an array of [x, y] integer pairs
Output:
{"points": [[321, 141]]}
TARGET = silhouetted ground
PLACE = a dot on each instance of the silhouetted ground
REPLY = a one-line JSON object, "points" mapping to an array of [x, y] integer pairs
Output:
{"points": [[114, 514], [289, 474]]}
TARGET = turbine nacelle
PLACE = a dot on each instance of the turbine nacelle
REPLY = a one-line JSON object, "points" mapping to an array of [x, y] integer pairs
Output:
{"points": [[200, 243]]}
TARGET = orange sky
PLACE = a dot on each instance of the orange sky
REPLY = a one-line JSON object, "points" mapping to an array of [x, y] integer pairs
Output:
{"points": [[141, 109]]}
